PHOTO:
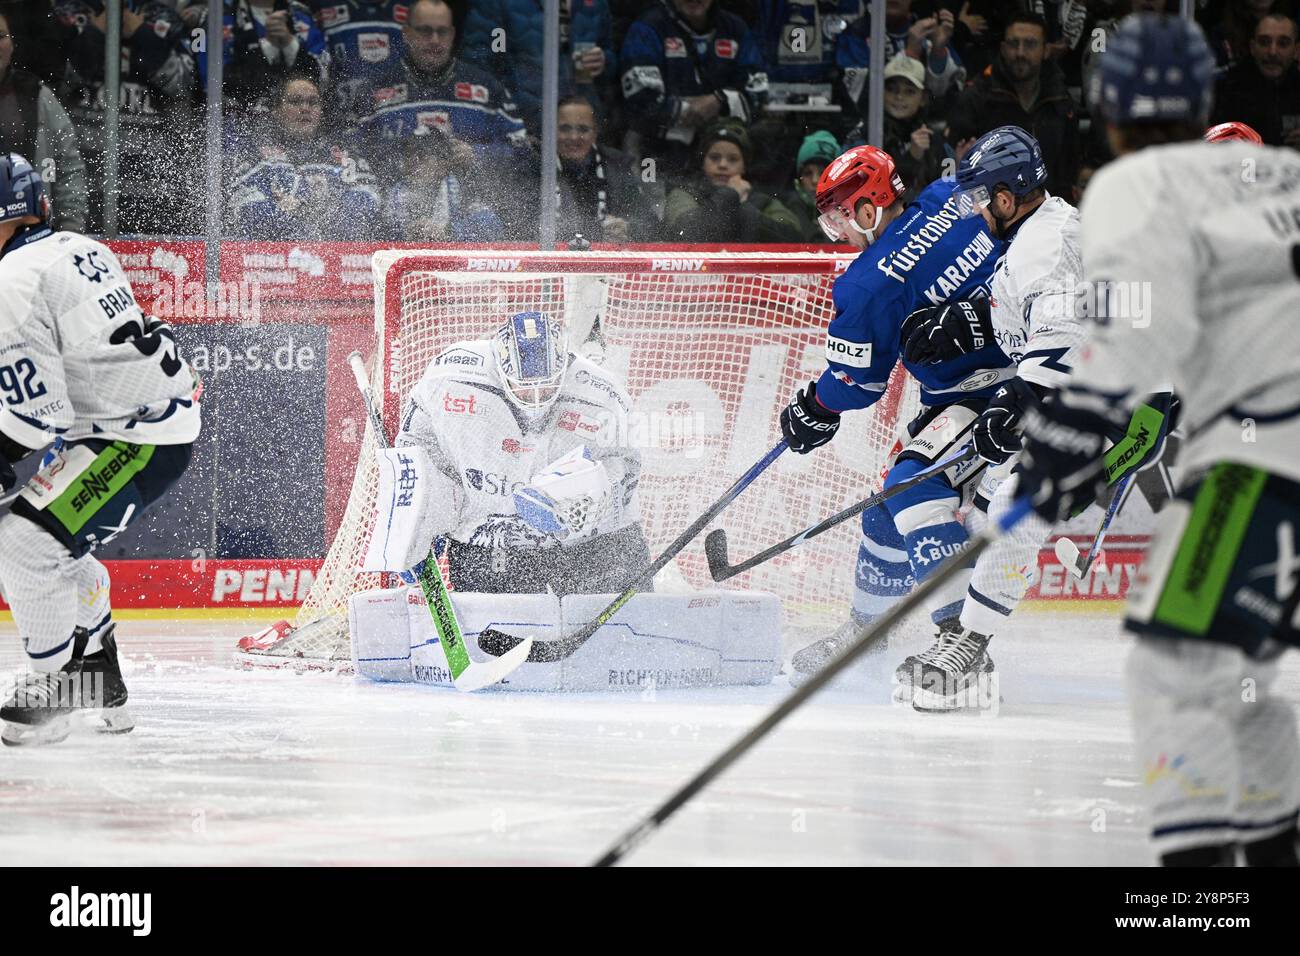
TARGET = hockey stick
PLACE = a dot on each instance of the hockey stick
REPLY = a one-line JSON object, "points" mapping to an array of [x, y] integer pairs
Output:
{"points": [[496, 642], [715, 543], [866, 637], [1067, 552], [466, 674]]}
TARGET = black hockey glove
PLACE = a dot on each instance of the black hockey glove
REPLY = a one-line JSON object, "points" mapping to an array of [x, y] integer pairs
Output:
{"points": [[1062, 466], [997, 431], [948, 331], [806, 423]]}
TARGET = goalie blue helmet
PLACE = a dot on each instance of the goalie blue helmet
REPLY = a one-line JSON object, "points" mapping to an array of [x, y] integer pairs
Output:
{"points": [[531, 357], [1157, 68], [1004, 158], [22, 190]]}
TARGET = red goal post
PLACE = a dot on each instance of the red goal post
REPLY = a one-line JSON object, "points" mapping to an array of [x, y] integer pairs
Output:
{"points": [[710, 346]]}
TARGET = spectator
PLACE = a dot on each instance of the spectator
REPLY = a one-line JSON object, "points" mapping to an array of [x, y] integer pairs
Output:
{"points": [[925, 39], [600, 193], [265, 41], [718, 204], [33, 123], [158, 129], [430, 203], [685, 63], [1263, 89], [918, 152], [1025, 89], [1231, 37], [1105, 27], [797, 39], [815, 154], [976, 26], [290, 182], [364, 38], [587, 61], [433, 90]]}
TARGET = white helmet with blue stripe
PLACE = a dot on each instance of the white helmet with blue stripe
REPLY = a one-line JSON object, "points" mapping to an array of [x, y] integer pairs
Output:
{"points": [[531, 356]]}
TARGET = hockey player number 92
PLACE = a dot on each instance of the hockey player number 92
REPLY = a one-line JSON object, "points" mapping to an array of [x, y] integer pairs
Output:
{"points": [[148, 337], [18, 381]]}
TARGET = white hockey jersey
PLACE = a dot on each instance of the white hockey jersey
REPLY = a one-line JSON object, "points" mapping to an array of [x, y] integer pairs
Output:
{"points": [[78, 357], [1198, 248], [1033, 305], [484, 450]]}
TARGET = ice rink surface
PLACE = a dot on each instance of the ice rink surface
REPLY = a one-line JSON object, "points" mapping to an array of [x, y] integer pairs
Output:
{"points": [[235, 767]]}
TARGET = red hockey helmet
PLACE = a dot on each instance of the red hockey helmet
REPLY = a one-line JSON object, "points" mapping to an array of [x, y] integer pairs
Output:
{"points": [[861, 173], [1226, 132]]}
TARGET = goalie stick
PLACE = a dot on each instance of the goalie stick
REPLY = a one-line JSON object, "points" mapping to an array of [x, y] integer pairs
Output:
{"points": [[715, 543], [866, 637], [496, 642], [467, 674]]}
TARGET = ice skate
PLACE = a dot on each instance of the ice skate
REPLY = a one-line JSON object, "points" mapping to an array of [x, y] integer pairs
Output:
{"points": [[43, 707], [818, 654], [950, 678], [905, 675]]}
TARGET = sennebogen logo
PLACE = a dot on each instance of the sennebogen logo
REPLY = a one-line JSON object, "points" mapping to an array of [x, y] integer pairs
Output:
{"points": [[103, 909]]}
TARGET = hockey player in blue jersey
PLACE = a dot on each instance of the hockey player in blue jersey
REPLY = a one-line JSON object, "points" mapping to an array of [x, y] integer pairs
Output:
{"points": [[914, 258]]}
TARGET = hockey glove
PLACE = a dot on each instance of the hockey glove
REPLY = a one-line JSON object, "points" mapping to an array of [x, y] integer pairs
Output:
{"points": [[997, 431], [806, 423], [1062, 464], [947, 331]]}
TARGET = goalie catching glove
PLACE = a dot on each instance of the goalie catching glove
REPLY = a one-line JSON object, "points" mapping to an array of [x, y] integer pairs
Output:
{"points": [[944, 332], [569, 499]]}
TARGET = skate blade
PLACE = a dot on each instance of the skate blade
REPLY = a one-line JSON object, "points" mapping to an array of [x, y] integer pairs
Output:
{"points": [[28, 735]]}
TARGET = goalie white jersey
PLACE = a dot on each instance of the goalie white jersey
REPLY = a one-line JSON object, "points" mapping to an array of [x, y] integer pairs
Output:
{"points": [[1196, 248], [483, 451], [1034, 294], [78, 357]]}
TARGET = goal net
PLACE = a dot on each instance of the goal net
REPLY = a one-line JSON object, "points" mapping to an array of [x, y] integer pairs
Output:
{"points": [[710, 347]]}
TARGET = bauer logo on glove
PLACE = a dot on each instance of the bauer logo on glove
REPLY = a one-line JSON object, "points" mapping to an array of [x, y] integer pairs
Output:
{"points": [[569, 499]]}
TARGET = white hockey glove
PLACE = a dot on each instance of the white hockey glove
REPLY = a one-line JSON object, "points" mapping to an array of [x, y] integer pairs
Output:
{"points": [[569, 499]]}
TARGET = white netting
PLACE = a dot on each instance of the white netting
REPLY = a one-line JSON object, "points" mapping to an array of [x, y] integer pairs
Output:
{"points": [[709, 357]]}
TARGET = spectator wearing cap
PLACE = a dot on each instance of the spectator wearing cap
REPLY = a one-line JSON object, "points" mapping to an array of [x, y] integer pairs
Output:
{"points": [[34, 124], [917, 151], [430, 202], [1023, 88], [718, 204], [925, 39], [684, 64], [600, 195], [815, 153], [291, 181], [1263, 90]]}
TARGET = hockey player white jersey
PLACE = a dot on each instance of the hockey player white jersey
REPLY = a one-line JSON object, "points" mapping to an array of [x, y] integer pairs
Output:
{"points": [[1034, 293], [78, 357], [1202, 241], [483, 450]]}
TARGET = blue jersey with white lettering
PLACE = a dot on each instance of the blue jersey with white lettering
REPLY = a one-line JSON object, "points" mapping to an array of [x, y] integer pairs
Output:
{"points": [[927, 256]]}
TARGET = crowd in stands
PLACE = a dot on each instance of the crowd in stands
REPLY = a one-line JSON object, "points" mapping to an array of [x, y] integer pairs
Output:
{"points": [[678, 120]]}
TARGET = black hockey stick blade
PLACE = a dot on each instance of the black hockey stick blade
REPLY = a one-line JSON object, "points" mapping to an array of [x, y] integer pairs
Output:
{"points": [[715, 549]]}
